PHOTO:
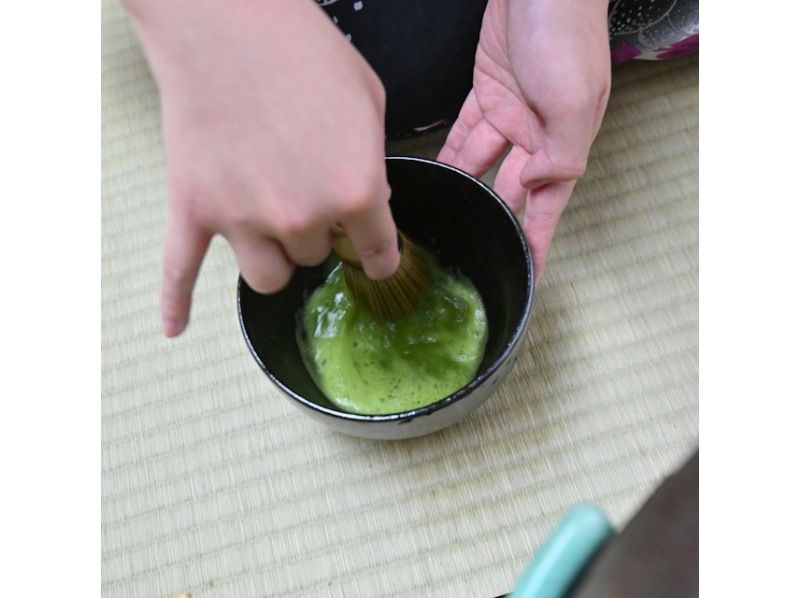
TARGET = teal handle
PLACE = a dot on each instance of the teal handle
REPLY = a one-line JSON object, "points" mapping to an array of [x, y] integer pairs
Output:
{"points": [[565, 553]]}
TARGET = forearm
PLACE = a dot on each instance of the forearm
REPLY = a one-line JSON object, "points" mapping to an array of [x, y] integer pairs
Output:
{"points": [[197, 42], [152, 12], [567, 23], [568, 15]]}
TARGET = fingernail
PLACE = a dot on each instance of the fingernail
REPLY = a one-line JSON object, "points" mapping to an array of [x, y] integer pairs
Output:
{"points": [[384, 268]]}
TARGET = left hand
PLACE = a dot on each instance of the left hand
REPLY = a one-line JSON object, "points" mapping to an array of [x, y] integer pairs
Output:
{"points": [[541, 82]]}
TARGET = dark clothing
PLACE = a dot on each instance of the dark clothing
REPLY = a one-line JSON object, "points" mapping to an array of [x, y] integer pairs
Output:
{"points": [[422, 50]]}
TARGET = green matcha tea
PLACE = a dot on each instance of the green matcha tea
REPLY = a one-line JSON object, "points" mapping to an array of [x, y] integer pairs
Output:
{"points": [[371, 367]]}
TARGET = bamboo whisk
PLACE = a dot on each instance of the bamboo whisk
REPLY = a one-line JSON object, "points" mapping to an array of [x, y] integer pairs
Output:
{"points": [[398, 295]]}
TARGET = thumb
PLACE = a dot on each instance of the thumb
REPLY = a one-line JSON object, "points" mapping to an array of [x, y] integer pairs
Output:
{"points": [[184, 249]]}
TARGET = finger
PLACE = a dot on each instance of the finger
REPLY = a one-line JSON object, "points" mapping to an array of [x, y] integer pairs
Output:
{"points": [[373, 234], [473, 144], [262, 261], [507, 182], [480, 150], [308, 247], [542, 213], [184, 248], [469, 116]]}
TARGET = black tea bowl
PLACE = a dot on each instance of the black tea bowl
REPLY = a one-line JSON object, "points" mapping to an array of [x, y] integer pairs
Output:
{"points": [[471, 231]]}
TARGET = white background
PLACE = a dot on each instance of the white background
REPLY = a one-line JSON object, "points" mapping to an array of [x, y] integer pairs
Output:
{"points": [[50, 327]]}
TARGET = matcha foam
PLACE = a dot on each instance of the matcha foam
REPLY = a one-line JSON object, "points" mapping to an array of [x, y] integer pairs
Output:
{"points": [[370, 367]]}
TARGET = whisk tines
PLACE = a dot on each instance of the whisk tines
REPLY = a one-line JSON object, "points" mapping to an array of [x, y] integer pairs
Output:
{"points": [[398, 295]]}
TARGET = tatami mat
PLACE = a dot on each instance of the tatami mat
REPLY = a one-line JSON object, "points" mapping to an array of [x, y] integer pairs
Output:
{"points": [[214, 483]]}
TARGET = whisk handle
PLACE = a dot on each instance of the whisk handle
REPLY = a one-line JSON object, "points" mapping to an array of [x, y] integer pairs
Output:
{"points": [[345, 250]]}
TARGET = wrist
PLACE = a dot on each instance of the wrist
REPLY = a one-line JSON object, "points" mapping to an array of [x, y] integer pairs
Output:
{"points": [[160, 13], [558, 16]]}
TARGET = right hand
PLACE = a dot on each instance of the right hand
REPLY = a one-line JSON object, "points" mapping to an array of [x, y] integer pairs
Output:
{"points": [[541, 82], [274, 131]]}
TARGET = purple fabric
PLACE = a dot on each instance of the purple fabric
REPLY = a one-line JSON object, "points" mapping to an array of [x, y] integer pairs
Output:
{"points": [[686, 46], [652, 29], [623, 52]]}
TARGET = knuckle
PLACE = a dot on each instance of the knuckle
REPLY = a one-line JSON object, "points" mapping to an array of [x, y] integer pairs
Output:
{"points": [[292, 222], [354, 203], [176, 292], [359, 194], [237, 213], [567, 167], [573, 168], [553, 169], [461, 128], [177, 282]]}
